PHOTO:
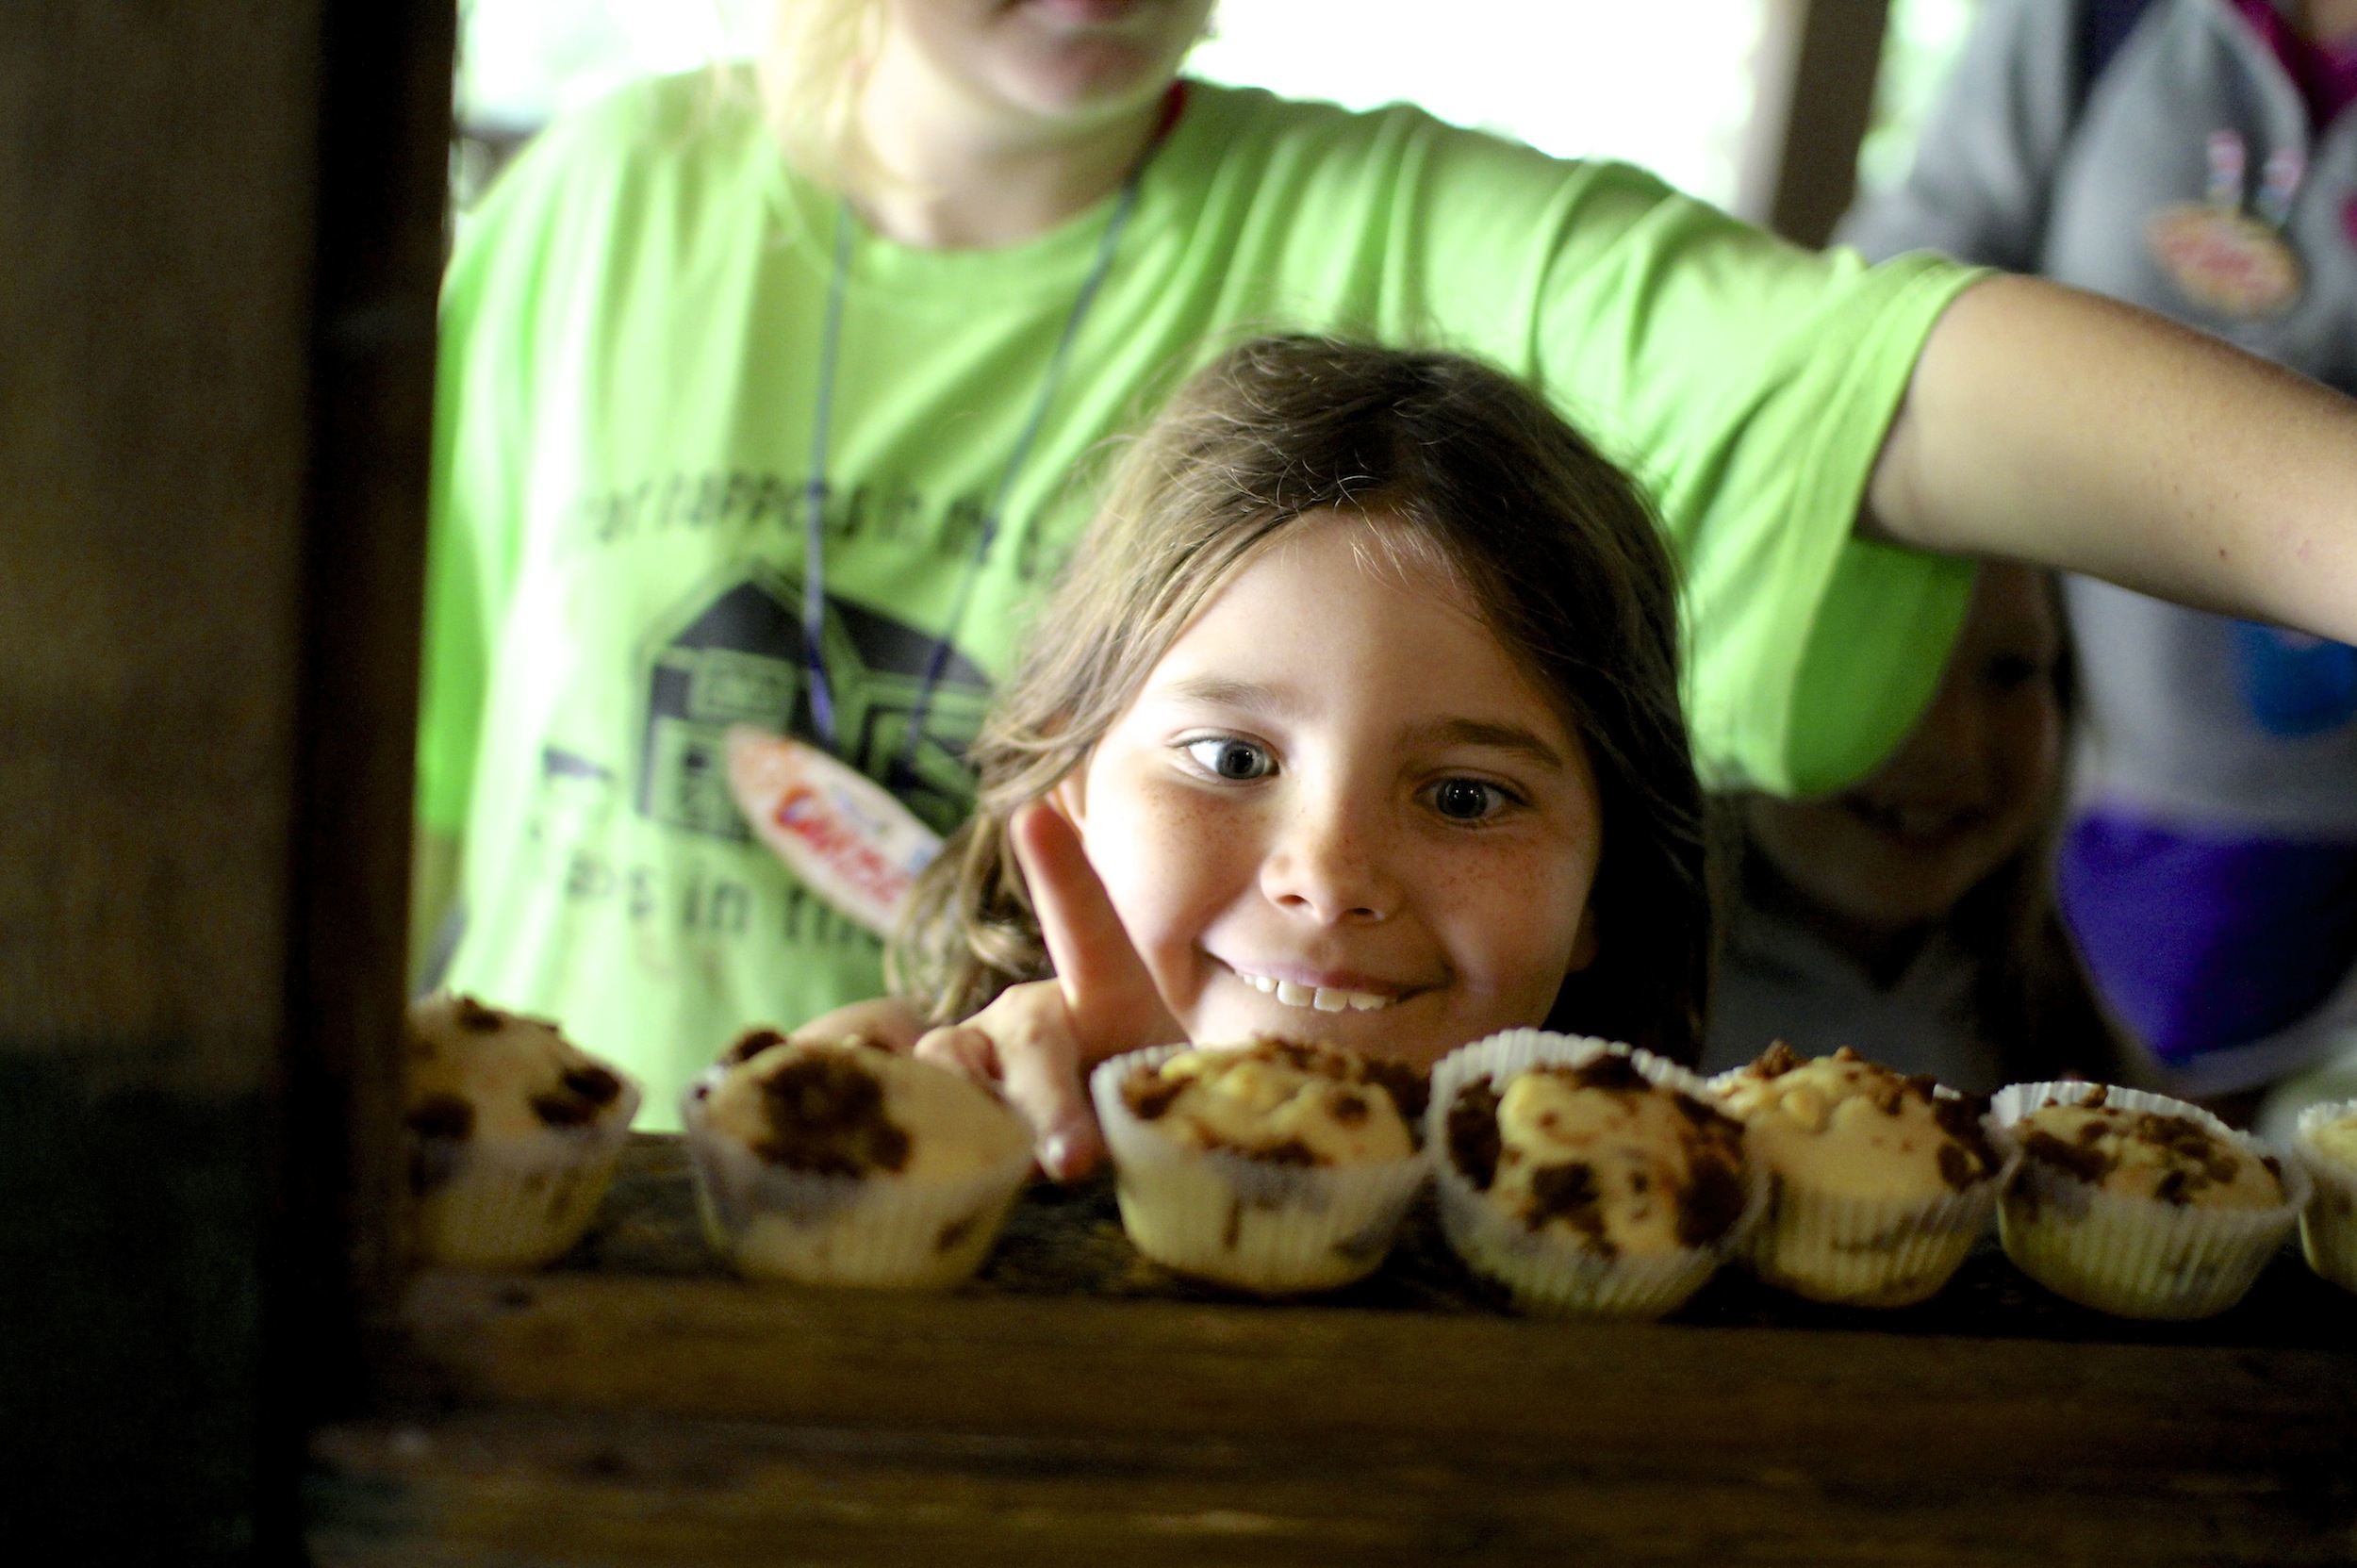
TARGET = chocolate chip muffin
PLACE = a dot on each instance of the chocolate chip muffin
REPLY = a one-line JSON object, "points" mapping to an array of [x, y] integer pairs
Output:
{"points": [[1878, 1183], [2137, 1204], [1275, 1165], [1585, 1177], [513, 1134], [840, 1163], [2170, 1158], [2326, 1143]]}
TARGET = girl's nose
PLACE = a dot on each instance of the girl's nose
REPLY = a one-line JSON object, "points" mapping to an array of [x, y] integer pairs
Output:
{"points": [[1327, 862]]}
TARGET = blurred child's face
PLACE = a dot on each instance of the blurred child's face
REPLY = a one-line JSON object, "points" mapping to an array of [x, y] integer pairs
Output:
{"points": [[1960, 797], [1055, 59], [1339, 809]]}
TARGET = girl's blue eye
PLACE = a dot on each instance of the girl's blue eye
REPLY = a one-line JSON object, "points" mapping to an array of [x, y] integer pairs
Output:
{"points": [[1467, 799], [1231, 759]]}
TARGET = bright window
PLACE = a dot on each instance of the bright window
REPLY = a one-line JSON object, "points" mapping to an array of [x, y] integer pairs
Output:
{"points": [[1665, 86]]}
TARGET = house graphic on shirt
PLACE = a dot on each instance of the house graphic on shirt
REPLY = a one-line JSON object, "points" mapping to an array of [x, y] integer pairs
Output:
{"points": [[733, 655]]}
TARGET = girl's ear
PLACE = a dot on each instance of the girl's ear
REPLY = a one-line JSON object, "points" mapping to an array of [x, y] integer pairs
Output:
{"points": [[1069, 796], [1584, 940]]}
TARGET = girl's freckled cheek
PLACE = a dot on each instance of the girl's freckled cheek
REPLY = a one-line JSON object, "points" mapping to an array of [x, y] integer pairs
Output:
{"points": [[1181, 853], [1187, 811], [1180, 823]]}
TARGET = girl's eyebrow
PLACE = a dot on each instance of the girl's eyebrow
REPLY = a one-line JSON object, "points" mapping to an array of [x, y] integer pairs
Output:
{"points": [[1490, 736], [1227, 692]]}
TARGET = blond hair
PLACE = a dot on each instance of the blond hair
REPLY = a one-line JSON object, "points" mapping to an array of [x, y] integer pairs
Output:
{"points": [[1450, 465], [810, 74]]}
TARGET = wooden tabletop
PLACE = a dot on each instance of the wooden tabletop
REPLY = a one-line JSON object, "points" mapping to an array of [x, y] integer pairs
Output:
{"points": [[637, 1404]]}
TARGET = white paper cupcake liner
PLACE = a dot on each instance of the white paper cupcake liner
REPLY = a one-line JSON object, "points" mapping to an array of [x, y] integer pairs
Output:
{"points": [[1219, 1215], [518, 1202], [1855, 1252], [2135, 1257], [2328, 1225], [1548, 1271], [880, 1230], [1866, 1252]]}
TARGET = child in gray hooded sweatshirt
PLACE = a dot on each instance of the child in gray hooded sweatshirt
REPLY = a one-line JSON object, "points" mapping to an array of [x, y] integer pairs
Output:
{"points": [[2198, 158]]}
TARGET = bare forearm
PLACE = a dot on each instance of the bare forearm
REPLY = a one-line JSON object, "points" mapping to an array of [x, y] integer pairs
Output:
{"points": [[2050, 425]]}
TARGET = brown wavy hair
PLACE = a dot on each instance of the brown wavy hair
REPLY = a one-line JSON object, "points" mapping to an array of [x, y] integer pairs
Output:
{"points": [[1453, 467]]}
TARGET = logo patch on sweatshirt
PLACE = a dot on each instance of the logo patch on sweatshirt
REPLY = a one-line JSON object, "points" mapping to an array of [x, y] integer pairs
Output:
{"points": [[2220, 258]]}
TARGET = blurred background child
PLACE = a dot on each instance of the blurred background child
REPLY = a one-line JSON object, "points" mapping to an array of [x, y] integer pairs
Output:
{"points": [[1909, 916], [2196, 157]]}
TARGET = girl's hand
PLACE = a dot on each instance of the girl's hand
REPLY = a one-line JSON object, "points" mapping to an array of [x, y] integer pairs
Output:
{"points": [[1024, 1045], [887, 1021], [1037, 1041]]}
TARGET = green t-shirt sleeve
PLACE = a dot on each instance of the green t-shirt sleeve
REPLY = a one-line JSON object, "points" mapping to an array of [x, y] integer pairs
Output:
{"points": [[1748, 383], [482, 438], [1757, 384], [455, 663], [456, 656], [526, 310], [1751, 385]]}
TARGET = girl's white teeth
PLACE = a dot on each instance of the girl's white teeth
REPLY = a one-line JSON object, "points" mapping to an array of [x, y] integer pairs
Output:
{"points": [[1321, 998]]}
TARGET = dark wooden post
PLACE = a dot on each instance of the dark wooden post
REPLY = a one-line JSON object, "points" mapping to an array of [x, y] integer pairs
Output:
{"points": [[1815, 70], [383, 179], [220, 235]]}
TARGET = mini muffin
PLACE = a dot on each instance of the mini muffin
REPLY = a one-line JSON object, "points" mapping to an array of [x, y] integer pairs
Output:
{"points": [[2140, 1205], [513, 1134], [1585, 1176], [836, 1163], [1878, 1183], [2326, 1143], [1276, 1167]]}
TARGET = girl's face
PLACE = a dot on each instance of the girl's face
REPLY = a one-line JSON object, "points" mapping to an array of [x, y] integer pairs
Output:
{"points": [[1056, 60], [1960, 797], [1339, 809]]}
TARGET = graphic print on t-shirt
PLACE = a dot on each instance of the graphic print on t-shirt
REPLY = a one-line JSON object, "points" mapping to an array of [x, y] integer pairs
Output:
{"points": [[733, 655]]}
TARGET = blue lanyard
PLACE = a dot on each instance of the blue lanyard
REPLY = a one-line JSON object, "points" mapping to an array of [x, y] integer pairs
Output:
{"points": [[815, 495]]}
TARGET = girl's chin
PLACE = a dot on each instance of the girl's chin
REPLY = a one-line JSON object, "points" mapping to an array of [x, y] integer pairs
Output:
{"points": [[1096, 79]]}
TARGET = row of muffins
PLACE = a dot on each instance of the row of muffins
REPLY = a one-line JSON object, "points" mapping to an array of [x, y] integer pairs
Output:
{"points": [[1866, 1187], [1585, 1176]]}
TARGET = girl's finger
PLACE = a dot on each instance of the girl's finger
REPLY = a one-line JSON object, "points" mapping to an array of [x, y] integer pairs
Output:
{"points": [[1112, 998], [1039, 1078], [1043, 1085], [887, 1021], [961, 1050]]}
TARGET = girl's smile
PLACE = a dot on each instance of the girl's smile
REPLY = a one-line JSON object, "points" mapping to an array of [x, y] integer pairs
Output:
{"points": [[1337, 808]]}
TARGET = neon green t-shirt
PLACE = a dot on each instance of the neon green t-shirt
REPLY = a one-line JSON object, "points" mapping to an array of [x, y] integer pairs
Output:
{"points": [[628, 378]]}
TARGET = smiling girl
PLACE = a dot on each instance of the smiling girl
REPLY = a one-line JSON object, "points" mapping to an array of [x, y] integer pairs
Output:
{"points": [[1354, 717]]}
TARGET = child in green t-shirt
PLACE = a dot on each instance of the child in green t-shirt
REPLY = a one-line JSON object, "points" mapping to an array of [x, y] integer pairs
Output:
{"points": [[1355, 717]]}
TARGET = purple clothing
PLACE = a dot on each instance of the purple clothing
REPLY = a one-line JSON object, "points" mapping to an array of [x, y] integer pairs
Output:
{"points": [[2326, 73], [2200, 942]]}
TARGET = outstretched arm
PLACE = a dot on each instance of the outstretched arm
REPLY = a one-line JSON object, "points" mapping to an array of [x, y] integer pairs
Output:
{"points": [[2050, 425]]}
